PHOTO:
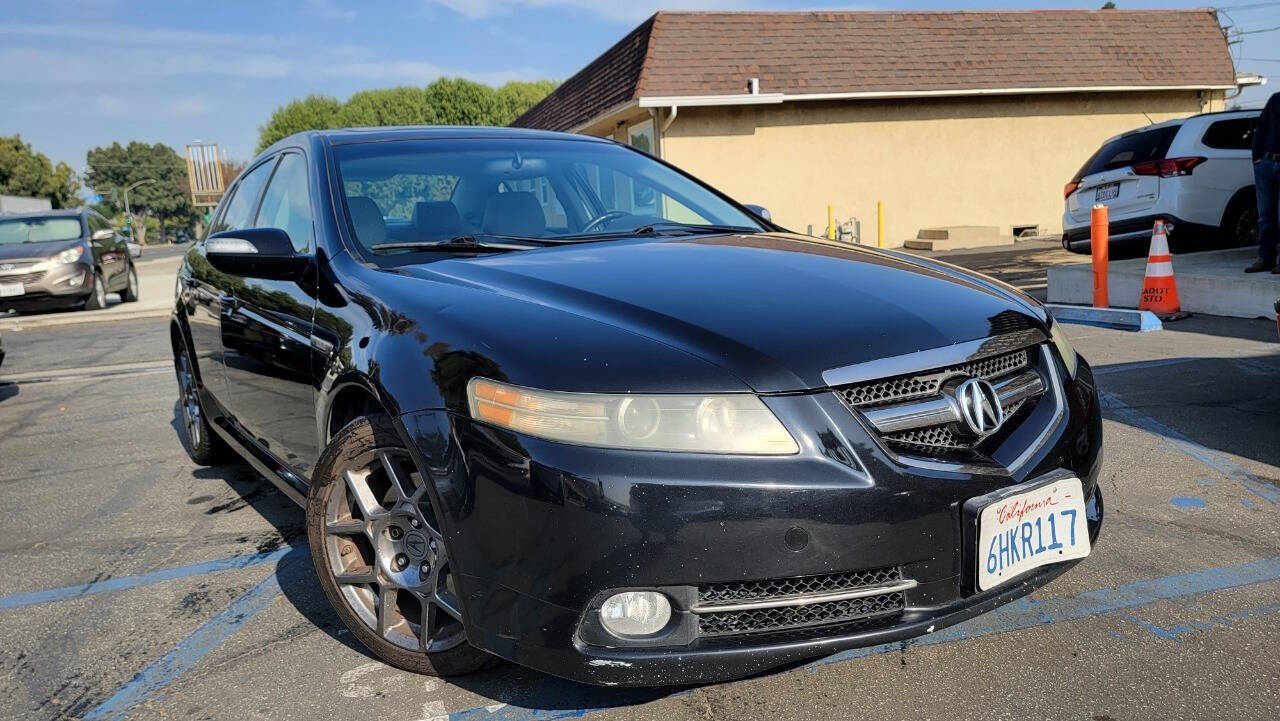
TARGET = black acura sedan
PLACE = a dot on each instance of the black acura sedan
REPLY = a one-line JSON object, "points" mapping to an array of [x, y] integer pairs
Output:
{"points": [[547, 398]]}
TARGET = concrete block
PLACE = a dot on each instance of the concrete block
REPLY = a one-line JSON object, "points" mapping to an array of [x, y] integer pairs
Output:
{"points": [[952, 237], [1213, 282], [1118, 318]]}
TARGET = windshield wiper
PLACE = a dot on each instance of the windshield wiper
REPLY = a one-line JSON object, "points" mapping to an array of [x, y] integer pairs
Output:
{"points": [[660, 226], [479, 243]]}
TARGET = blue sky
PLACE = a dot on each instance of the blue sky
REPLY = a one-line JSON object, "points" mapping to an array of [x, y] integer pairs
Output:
{"points": [[80, 73]]}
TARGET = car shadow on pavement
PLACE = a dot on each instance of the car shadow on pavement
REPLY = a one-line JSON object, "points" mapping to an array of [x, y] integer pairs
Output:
{"points": [[288, 530], [8, 390], [1229, 407]]}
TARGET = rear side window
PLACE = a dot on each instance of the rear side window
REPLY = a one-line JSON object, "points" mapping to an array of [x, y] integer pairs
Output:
{"points": [[1129, 149], [240, 207], [1233, 134]]}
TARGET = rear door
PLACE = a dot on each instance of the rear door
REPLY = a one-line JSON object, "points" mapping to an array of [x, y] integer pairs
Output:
{"points": [[1227, 146], [267, 331], [1108, 176], [111, 254]]}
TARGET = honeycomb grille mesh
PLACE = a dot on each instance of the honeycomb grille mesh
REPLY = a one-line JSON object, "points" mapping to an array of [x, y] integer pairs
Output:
{"points": [[764, 620], [904, 388], [802, 585], [24, 278]]}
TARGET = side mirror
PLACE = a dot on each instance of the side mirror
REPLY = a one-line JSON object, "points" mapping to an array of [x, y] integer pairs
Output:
{"points": [[104, 234], [255, 253], [135, 250], [759, 210]]}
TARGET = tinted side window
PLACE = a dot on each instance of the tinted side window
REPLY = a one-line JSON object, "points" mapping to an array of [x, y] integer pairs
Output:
{"points": [[1129, 149], [1233, 134], [95, 224], [287, 204], [240, 207]]}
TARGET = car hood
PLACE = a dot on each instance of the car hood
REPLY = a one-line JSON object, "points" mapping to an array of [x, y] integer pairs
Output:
{"points": [[34, 251], [774, 309]]}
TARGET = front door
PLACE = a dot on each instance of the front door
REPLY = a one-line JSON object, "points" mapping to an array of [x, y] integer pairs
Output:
{"points": [[267, 329], [207, 290]]}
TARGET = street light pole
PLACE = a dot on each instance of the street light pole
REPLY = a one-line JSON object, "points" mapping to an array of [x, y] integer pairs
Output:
{"points": [[127, 212]]}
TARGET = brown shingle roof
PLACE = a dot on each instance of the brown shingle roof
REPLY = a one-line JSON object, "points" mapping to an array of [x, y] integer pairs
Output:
{"points": [[715, 53]]}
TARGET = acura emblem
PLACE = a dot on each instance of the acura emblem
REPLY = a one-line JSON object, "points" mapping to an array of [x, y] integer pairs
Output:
{"points": [[980, 409]]}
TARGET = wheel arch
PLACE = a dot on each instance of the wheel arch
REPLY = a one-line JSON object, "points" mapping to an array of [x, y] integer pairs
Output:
{"points": [[350, 397], [1247, 194], [178, 339]]}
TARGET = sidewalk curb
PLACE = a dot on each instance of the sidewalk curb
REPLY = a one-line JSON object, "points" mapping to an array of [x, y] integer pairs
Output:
{"points": [[22, 323], [1119, 318]]}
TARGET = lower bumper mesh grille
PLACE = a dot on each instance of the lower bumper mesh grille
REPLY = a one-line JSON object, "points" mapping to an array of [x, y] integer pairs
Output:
{"points": [[763, 620], [785, 604]]}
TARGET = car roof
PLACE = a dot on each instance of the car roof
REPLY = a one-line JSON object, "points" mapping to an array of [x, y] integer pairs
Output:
{"points": [[1176, 122], [346, 136], [60, 213]]}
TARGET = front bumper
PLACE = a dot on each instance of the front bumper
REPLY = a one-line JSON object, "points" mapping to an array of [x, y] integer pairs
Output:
{"points": [[62, 286], [539, 532]]}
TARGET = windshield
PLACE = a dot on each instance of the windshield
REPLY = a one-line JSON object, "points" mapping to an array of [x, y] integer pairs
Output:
{"points": [[436, 190], [38, 230]]}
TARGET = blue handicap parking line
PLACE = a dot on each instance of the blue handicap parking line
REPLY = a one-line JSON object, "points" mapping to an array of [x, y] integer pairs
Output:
{"points": [[207, 637], [66, 593]]}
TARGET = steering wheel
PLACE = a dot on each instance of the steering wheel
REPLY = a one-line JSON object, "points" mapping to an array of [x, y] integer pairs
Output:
{"points": [[603, 218]]}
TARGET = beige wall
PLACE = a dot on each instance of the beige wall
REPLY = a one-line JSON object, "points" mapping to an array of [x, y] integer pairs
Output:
{"points": [[947, 161]]}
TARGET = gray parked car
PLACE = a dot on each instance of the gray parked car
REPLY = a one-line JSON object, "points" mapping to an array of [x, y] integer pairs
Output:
{"points": [[63, 259]]}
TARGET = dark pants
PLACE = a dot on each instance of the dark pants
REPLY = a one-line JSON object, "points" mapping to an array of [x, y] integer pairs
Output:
{"points": [[1266, 178]]}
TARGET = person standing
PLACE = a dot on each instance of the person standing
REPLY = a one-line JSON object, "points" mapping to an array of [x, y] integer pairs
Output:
{"points": [[1266, 183]]}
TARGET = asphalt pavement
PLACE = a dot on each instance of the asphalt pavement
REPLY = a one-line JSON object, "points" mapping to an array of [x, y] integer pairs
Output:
{"points": [[134, 584]]}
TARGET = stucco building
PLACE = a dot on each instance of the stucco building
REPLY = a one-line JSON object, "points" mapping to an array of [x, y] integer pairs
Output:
{"points": [[948, 118]]}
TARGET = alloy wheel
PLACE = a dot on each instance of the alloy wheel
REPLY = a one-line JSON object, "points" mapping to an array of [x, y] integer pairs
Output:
{"points": [[190, 400], [387, 556], [1246, 230]]}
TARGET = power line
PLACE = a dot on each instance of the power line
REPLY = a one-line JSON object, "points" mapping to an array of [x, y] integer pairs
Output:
{"points": [[1255, 32], [1251, 6], [1261, 60]]}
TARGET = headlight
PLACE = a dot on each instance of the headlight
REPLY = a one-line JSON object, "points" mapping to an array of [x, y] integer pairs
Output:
{"points": [[730, 423], [1065, 351], [70, 255]]}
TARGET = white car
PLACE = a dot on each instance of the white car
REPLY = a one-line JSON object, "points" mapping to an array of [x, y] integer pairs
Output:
{"points": [[1196, 173]]}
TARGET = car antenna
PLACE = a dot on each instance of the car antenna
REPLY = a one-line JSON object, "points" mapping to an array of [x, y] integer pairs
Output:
{"points": [[1148, 117]]}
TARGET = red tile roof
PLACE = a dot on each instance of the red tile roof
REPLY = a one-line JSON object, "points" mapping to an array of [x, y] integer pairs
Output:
{"points": [[715, 53]]}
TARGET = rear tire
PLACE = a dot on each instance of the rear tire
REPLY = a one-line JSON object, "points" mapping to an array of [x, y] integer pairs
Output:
{"points": [[97, 299], [1240, 223], [380, 556]]}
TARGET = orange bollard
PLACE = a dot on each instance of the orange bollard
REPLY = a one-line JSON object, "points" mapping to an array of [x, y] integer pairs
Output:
{"points": [[1098, 244]]}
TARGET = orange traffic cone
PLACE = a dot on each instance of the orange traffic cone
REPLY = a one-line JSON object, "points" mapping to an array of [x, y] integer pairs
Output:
{"points": [[1159, 288]]}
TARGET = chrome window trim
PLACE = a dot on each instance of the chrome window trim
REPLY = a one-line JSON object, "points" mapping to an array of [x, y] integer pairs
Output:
{"points": [[924, 360], [895, 587]]}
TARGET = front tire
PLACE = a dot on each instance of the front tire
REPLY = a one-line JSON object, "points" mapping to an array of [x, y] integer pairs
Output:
{"points": [[97, 299], [202, 444], [380, 554], [130, 292]]}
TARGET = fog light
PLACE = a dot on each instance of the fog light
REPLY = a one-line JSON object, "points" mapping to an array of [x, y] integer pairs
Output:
{"points": [[635, 613], [73, 281]]}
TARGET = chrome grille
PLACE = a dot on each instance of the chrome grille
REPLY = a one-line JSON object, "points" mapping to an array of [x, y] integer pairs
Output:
{"points": [[764, 620], [785, 587], [902, 388], [23, 278]]}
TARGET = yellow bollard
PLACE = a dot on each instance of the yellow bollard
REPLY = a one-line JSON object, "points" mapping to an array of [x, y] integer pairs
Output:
{"points": [[831, 222], [879, 224]]}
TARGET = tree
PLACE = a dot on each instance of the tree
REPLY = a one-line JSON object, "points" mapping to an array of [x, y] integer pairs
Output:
{"points": [[446, 101], [314, 112], [115, 167], [28, 173], [516, 97]]}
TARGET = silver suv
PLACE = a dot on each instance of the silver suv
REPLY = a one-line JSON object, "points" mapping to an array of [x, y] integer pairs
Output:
{"points": [[63, 259]]}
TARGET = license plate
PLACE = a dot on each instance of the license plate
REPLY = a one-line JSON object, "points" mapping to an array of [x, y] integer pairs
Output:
{"points": [[8, 290], [1110, 191], [1027, 530]]}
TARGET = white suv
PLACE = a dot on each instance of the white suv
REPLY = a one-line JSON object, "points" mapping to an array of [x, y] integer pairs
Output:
{"points": [[1195, 172]]}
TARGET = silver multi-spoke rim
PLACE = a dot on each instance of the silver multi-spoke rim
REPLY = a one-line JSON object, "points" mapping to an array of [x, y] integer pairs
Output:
{"points": [[387, 555], [190, 400], [99, 292]]}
